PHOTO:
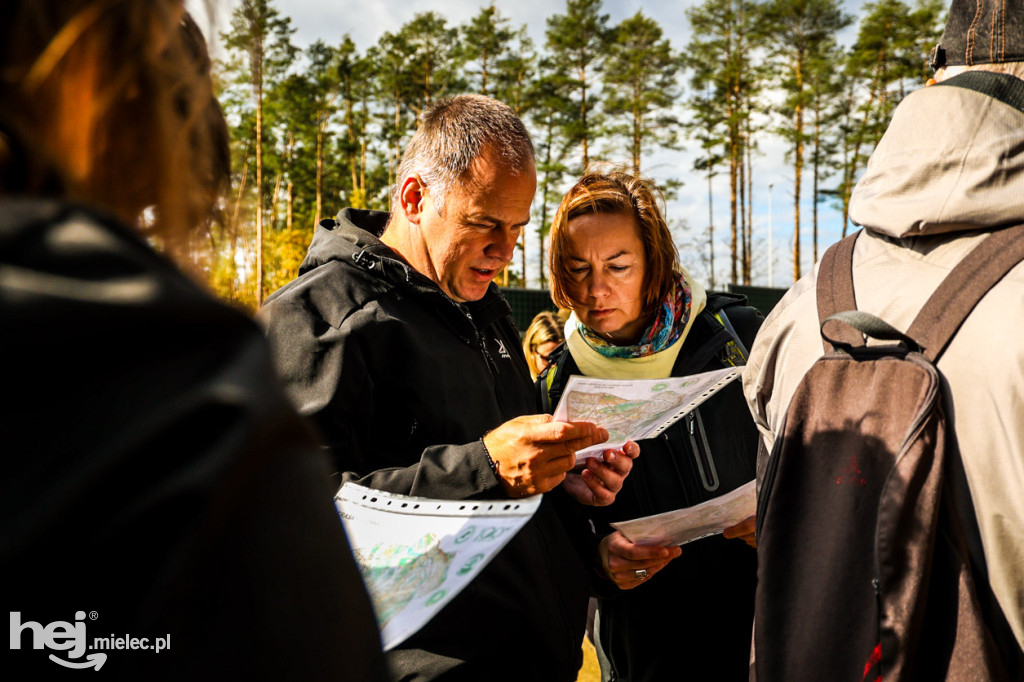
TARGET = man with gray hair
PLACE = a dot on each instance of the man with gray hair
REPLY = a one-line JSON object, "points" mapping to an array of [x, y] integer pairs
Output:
{"points": [[396, 342], [948, 172]]}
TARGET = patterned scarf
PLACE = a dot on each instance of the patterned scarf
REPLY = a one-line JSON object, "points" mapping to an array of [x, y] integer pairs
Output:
{"points": [[669, 323]]}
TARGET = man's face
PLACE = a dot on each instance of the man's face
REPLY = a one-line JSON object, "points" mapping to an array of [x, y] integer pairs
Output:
{"points": [[465, 242]]}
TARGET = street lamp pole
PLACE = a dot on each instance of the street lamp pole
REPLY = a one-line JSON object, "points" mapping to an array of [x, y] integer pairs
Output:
{"points": [[771, 233]]}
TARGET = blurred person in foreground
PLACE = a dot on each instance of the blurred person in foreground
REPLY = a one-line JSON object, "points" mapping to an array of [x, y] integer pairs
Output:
{"points": [[396, 341], [158, 490], [637, 314], [541, 338], [948, 172]]}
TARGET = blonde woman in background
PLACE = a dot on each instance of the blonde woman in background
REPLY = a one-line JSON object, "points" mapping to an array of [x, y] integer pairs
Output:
{"points": [[541, 339]]}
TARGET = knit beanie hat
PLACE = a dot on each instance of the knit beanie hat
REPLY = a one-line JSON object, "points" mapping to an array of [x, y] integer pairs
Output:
{"points": [[981, 32]]}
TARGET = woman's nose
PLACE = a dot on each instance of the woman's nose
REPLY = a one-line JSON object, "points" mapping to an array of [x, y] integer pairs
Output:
{"points": [[598, 285]]}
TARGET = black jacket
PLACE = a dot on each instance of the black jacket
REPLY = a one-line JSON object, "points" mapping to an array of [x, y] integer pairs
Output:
{"points": [[154, 476], [404, 382], [694, 619]]}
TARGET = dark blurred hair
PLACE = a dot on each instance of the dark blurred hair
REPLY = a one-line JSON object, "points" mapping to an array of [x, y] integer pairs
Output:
{"points": [[110, 102], [616, 192]]}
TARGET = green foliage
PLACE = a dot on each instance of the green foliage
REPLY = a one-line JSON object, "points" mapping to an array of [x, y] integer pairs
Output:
{"points": [[325, 127], [888, 59], [577, 43], [485, 39], [640, 80]]}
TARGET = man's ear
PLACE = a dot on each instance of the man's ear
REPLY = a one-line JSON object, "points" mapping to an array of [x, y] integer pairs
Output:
{"points": [[411, 197]]}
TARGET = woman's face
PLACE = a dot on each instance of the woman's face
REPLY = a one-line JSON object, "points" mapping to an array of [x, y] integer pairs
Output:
{"points": [[606, 266], [542, 355]]}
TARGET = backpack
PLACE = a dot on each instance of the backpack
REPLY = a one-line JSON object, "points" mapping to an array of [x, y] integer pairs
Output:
{"points": [[863, 524]]}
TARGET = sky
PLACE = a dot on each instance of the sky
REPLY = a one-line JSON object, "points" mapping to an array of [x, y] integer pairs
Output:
{"points": [[367, 20]]}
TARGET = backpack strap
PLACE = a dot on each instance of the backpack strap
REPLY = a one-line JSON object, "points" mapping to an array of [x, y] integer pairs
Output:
{"points": [[551, 381], [734, 353], [944, 312], [835, 291], [964, 286]]}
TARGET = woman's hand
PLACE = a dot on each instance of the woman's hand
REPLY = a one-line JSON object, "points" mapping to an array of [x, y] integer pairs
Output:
{"points": [[599, 482], [628, 565]]}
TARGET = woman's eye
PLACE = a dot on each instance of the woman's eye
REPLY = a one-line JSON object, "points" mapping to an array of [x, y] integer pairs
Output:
{"points": [[618, 268], [578, 270]]}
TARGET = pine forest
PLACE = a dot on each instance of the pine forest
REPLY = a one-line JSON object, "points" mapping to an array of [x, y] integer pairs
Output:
{"points": [[316, 129]]}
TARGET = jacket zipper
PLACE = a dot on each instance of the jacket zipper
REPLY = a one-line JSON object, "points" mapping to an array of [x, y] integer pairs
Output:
{"points": [[702, 451], [491, 365]]}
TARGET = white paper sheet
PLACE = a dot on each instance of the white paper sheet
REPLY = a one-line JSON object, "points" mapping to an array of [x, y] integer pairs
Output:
{"points": [[415, 553], [692, 523]]}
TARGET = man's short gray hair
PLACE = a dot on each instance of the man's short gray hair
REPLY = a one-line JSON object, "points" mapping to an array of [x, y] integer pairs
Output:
{"points": [[1012, 68], [455, 131]]}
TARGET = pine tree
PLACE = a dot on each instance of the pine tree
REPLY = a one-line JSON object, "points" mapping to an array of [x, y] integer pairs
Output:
{"points": [[436, 59], [577, 43], [888, 60], [825, 103], [803, 31], [725, 81], [552, 145], [355, 76], [485, 40], [264, 37], [516, 68], [395, 89], [640, 83]]}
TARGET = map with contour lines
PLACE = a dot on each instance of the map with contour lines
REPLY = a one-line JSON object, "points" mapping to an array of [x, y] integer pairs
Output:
{"points": [[622, 416]]}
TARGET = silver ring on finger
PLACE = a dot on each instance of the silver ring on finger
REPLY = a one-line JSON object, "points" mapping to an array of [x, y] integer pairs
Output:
{"points": [[640, 573]]}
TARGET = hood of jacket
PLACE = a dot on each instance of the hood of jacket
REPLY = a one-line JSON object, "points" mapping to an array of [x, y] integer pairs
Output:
{"points": [[353, 239], [354, 230], [952, 160]]}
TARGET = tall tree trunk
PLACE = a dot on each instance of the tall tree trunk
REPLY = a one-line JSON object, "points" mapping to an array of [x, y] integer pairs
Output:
{"points": [[798, 163], [275, 199], [321, 124], [733, 242], [816, 172], [483, 73], [290, 206], [522, 255], [241, 189], [638, 129], [583, 119], [711, 227], [742, 183], [544, 202], [852, 166], [259, 186], [395, 152], [350, 124], [749, 251]]}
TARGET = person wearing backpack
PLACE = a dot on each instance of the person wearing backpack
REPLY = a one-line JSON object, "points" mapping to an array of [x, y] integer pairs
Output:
{"points": [[947, 176], [672, 611]]}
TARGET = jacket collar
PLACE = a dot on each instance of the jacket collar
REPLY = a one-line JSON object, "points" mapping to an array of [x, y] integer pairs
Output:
{"points": [[354, 237]]}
